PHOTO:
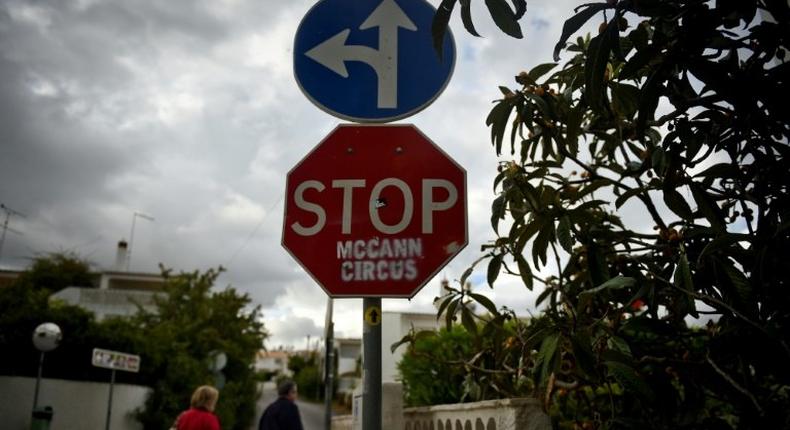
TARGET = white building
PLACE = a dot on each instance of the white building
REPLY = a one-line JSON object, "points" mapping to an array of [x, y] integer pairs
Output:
{"points": [[349, 352], [395, 325], [119, 294], [109, 293], [273, 361]]}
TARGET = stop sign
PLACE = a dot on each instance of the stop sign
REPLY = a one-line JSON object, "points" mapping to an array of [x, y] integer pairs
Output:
{"points": [[375, 211]]}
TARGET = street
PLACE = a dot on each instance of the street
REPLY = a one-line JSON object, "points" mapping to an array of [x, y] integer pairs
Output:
{"points": [[312, 413]]}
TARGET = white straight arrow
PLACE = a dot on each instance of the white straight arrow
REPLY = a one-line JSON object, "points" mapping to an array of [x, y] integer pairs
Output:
{"points": [[333, 52]]}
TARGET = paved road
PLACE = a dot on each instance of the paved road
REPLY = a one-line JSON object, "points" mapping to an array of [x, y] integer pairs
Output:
{"points": [[312, 413]]}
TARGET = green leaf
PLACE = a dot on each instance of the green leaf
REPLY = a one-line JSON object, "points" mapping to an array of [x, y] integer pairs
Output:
{"points": [[466, 17], [564, 234], [626, 376], [625, 99], [589, 205], [405, 339], [541, 244], [541, 104], [443, 306], [712, 74], [530, 230], [448, 317], [677, 204], [544, 295], [504, 17], [638, 62], [540, 70], [722, 242], [659, 161], [620, 345], [595, 68], [546, 359], [498, 120], [682, 279], [717, 171], [615, 283], [583, 353], [573, 24], [439, 25], [574, 127], [525, 271], [740, 283], [599, 270], [497, 212], [590, 187], [627, 195], [648, 100], [708, 208], [521, 8], [467, 320], [486, 302], [494, 267]]}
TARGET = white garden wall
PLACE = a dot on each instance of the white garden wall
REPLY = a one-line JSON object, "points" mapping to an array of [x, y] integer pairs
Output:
{"points": [[76, 405]]}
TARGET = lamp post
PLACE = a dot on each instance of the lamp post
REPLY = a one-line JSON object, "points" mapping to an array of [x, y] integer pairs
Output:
{"points": [[46, 337], [131, 236]]}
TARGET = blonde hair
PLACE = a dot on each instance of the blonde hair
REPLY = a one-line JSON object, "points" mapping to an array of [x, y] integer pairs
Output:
{"points": [[205, 397]]}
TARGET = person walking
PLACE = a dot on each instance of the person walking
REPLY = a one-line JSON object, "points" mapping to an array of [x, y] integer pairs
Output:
{"points": [[282, 414], [200, 415]]}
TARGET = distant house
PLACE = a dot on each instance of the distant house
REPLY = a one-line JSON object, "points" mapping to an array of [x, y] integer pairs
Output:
{"points": [[273, 361], [7, 277], [110, 293], [118, 294], [349, 352]]}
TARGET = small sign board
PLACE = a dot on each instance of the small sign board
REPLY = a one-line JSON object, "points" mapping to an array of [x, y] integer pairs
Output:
{"points": [[373, 315], [116, 360]]}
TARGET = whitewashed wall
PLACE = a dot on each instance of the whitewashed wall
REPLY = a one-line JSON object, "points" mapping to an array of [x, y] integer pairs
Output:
{"points": [[77, 405]]}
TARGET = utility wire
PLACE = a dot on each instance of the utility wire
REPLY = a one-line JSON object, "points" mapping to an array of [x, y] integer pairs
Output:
{"points": [[8, 212], [253, 232]]}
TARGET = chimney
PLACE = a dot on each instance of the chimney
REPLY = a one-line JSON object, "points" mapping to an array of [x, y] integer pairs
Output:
{"points": [[121, 256]]}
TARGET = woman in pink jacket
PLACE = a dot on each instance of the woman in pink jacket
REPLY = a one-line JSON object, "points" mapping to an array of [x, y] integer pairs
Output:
{"points": [[200, 415]]}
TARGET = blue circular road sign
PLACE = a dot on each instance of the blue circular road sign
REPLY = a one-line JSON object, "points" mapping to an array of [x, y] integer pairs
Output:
{"points": [[371, 60]]}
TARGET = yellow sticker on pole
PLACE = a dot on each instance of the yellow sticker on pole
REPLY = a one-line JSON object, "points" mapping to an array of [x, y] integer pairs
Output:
{"points": [[373, 315]]}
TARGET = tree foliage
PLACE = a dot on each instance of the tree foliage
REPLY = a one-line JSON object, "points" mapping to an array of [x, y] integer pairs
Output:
{"points": [[56, 271], [307, 375], [673, 114], [189, 324]]}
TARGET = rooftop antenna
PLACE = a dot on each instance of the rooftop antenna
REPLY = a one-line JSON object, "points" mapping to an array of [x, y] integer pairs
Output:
{"points": [[131, 236], [8, 212]]}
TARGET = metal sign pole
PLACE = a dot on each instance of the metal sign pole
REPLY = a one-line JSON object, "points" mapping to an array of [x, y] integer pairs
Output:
{"points": [[109, 403], [329, 366], [371, 365], [38, 380]]}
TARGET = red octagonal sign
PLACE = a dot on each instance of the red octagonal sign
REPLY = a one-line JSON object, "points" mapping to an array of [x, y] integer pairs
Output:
{"points": [[375, 211]]}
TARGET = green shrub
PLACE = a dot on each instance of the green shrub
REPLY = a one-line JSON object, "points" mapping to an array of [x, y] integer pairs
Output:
{"points": [[426, 379]]}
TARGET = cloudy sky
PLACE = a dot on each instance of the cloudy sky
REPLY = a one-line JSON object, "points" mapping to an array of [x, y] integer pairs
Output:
{"points": [[188, 111]]}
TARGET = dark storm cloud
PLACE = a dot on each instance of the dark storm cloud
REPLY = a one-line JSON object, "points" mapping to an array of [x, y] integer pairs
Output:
{"points": [[67, 90]]}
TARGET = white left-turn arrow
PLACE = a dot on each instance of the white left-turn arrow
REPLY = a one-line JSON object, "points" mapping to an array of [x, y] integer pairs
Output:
{"points": [[333, 52]]}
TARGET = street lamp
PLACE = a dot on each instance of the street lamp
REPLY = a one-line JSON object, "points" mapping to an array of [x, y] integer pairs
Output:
{"points": [[131, 236], [46, 337]]}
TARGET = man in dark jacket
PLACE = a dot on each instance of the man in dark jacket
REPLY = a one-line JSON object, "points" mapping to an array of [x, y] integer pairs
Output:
{"points": [[282, 414]]}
